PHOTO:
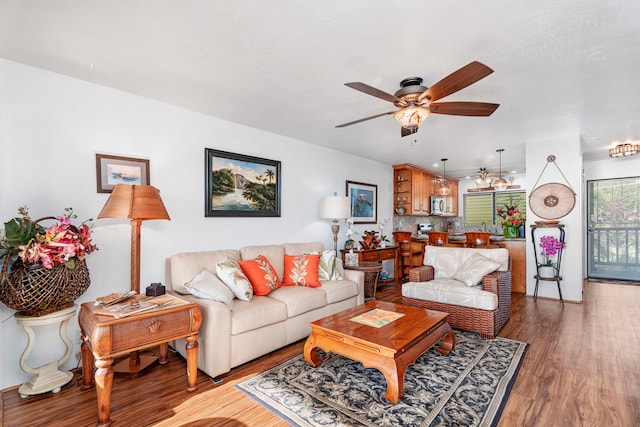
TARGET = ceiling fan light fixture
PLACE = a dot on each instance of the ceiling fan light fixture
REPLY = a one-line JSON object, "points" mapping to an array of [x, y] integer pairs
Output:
{"points": [[411, 117], [623, 150]]}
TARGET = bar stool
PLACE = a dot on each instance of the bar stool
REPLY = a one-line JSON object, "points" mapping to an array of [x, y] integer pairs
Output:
{"points": [[408, 251], [438, 238], [477, 240]]}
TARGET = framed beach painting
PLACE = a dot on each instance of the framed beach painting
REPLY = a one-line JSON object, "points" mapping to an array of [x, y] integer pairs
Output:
{"points": [[112, 170], [364, 202], [240, 185]]}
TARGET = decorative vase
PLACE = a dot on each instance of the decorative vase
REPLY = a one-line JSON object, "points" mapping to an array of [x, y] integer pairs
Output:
{"points": [[546, 271], [510, 232], [521, 231]]}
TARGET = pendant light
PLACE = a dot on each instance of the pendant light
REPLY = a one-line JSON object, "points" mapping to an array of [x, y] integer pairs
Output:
{"points": [[443, 188], [500, 184]]}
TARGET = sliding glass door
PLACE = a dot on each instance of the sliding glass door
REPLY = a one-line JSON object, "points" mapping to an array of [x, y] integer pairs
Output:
{"points": [[613, 232]]}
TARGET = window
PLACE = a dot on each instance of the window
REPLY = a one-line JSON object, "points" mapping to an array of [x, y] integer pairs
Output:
{"points": [[479, 208]]}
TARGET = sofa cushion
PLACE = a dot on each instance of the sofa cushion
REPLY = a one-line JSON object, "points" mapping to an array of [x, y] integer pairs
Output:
{"points": [[208, 286], [301, 270], [474, 268], [339, 290], [232, 275], [451, 291], [186, 265], [260, 312], [261, 274], [273, 253], [299, 299]]}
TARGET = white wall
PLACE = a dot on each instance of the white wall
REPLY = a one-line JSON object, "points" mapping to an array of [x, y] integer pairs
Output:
{"points": [[612, 168], [51, 127], [569, 161]]}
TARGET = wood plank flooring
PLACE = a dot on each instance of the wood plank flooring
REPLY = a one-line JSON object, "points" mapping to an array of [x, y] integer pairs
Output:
{"points": [[582, 368]]}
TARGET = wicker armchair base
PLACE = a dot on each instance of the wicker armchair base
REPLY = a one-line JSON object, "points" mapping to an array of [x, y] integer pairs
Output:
{"points": [[485, 322]]}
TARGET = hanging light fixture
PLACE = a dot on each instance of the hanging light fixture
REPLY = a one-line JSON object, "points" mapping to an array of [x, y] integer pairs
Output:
{"points": [[411, 117], [622, 150], [443, 186], [500, 183]]}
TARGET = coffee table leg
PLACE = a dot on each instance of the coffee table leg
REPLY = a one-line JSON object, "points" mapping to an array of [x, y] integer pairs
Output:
{"points": [[104, 381], [448, 341], [311, 352], [394, 374]]}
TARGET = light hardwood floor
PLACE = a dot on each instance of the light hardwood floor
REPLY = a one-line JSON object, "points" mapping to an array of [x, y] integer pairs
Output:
{"points": [[582, 368]]}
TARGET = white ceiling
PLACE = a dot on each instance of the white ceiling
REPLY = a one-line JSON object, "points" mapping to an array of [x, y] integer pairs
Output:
{"points": [[561, 67]]}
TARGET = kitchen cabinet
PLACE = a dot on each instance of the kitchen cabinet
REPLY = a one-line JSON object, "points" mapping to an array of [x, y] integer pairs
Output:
{"points": [[413, 188]]}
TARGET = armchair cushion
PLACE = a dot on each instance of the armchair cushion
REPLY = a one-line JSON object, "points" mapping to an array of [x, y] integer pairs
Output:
{"points": [[451, 291]]}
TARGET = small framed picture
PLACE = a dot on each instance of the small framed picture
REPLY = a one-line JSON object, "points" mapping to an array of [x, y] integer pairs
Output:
{"points": [[364, 202], [112, 170], [240, 185]]}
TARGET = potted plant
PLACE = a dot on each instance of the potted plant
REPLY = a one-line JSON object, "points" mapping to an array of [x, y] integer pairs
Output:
{"points": [[512, 220], [44, 268], [550, 246]]}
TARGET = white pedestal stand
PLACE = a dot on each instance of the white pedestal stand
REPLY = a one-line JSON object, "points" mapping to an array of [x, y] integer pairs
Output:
{"points": [[47, 377]]}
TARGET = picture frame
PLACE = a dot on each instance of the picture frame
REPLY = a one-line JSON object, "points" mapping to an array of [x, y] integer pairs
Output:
{"points": [[237, 185], [112, 170], [363, 199]]}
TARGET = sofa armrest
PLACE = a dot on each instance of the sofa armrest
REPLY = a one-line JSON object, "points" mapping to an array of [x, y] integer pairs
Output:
{"points": [[358, 278], [423, 273], [214, 337]]}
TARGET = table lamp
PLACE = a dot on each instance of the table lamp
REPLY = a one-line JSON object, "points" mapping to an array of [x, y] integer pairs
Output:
{"points": [[138, 203], [335, 207]]}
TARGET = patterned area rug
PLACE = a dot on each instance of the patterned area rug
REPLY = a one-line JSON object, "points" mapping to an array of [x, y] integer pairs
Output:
{"points": [[469, 387]]}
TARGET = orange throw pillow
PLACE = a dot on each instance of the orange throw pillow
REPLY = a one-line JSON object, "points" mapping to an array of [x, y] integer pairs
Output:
{"points": [[261, 274], [301, 270]]}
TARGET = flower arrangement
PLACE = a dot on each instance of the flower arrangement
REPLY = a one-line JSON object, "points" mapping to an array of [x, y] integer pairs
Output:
{"points": [[382, 237], [550, 247], [59, 244], [348, 244], [511, 216]]}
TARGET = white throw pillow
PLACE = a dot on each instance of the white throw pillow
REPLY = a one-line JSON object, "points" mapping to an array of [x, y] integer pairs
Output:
{"points": [[474, 268], [327, 267], [207, 285], [231, 275]]}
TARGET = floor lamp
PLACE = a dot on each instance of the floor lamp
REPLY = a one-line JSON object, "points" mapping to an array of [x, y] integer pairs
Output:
{"points": [[336, 208], [138, 203]]}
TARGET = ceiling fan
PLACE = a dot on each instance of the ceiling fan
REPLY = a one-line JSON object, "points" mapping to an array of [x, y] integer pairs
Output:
{"points": [[416, 102], [484, 176]]}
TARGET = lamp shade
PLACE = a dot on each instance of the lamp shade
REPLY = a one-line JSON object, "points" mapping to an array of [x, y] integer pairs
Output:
{"points": [[135, 202], [411, 117], [335, 207]]}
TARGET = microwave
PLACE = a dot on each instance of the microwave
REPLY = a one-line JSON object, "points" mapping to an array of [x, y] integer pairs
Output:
{"points": [[437, 205]]}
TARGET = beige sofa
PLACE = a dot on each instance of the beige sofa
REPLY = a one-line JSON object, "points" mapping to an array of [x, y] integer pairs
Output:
{"points": [[231, 336], [472, 285]]}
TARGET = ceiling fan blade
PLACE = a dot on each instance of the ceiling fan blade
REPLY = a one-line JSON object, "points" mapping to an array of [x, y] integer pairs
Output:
{"points": [[457, 80], [370, 90], [365, 119], [464, 108], [405, 132]]}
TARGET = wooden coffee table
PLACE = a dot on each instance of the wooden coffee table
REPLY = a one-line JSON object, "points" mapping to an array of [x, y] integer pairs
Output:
{"points": [[390, 348]]}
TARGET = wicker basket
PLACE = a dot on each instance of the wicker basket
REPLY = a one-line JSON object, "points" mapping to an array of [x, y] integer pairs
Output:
{"points": [[33, 290]]}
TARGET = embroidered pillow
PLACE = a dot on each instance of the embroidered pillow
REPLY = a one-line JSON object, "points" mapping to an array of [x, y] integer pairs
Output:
{"points": [[207, 285], [231, 275], [261, 274], [474, 268], [301, 270]]}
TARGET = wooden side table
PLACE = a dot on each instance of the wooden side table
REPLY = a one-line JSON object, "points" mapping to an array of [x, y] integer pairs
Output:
{"points": [[380, 254], [106, 337], [47, 377], [371, 271]]}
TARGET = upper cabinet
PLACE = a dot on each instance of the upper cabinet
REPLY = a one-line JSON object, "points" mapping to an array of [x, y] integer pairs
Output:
{"points": [[413, 188]]}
